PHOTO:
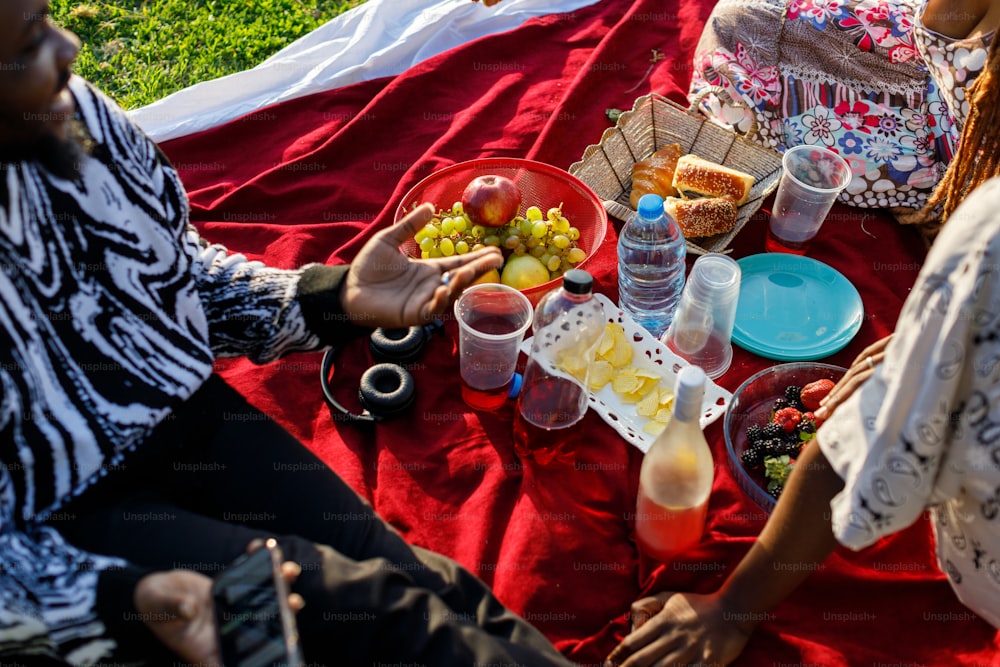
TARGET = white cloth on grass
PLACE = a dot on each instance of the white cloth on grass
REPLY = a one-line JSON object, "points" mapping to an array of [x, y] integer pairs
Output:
{"points": [[376, 39]]}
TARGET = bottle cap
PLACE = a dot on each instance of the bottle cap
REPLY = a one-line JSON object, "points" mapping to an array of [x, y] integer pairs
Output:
{"points": [[515, 386], [578, 281], [650, 206], [690, 378], [689, 392]]}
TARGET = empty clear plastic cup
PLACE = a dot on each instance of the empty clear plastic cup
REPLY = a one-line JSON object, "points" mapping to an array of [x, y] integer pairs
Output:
{"points": [[813, 176], [702, 328]]}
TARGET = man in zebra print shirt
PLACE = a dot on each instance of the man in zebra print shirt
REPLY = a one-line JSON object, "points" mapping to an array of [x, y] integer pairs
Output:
{"points": [[112, 311]]}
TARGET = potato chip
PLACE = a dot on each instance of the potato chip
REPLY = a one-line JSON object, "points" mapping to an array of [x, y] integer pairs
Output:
{"points": [[654, 427], [649, 384], [666, 397], [663, 415], [607, 339], [621, 352], [574, 364], [649, 404], [614, 346], [600, 374], [646, 386], [624, 380], [612, 363]]}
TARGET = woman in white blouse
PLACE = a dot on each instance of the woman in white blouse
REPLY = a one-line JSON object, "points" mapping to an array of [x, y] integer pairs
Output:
{"points": [[913, 426]]}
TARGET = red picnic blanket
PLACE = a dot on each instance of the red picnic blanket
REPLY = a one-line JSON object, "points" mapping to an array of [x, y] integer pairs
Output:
{"points": [[312, 179]]}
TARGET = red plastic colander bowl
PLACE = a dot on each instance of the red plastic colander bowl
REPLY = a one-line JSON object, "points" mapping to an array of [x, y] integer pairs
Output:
{"points": [[541, 185]]}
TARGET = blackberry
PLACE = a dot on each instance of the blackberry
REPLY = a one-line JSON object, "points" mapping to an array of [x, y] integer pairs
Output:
{"points": [[807, 426], [754, 432], [793, 393], [779, 403], [753, 456], [790, 447], [771, 430], [773, 447]]}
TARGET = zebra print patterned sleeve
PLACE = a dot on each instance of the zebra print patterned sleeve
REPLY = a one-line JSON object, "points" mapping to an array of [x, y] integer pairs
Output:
{"points": [[48, 595], [251, 308]]}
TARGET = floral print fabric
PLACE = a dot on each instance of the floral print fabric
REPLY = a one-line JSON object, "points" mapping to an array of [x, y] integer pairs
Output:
{"points": [[864, 78]]}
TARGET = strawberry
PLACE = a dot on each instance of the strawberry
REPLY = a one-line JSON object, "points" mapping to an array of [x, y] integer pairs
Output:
{"points": [[787, 418], [814, 392]]}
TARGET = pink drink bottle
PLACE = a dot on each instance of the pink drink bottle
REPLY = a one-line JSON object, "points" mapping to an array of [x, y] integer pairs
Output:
{"points": [[676, 477]]}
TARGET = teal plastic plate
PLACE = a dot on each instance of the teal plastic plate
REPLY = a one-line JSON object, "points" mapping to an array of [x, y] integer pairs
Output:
{"points": [[794, 308]]}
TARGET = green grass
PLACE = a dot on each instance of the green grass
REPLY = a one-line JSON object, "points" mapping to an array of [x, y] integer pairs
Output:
{"points": [[139, 51]]}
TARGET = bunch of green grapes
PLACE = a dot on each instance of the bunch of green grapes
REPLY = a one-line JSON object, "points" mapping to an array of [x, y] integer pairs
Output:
{"points": [[549, 237]]}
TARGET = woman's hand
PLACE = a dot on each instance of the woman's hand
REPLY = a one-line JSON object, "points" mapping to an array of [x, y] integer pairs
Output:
{"points": [[681, 629], [384, 287], [861, 369]]}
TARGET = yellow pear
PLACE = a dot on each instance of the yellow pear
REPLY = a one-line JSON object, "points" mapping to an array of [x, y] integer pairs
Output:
{"points": [[524, 272], [491, 276]]}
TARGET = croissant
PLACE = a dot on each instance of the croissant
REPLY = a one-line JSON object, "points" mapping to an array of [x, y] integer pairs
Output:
{"points": [[655, 174], [699, 177]]}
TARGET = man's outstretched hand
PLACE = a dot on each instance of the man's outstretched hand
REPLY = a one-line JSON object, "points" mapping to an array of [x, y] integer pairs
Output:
{"points": [[386, 288]]}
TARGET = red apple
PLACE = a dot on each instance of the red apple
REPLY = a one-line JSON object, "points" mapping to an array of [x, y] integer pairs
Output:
{"points": [[491, 201]]}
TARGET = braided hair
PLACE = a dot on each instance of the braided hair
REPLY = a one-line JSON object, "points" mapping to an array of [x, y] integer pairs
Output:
{"points": [[977, 158]]}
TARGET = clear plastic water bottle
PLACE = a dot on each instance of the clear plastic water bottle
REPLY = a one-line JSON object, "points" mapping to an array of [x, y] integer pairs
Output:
{"points": [[568, 325], [651, 264]]}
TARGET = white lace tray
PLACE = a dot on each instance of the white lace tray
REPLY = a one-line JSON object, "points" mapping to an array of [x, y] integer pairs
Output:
{"points": [[651, 354]]}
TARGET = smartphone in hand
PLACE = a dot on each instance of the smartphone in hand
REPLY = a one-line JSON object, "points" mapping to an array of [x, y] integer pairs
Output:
{"points": [[255, 624]]}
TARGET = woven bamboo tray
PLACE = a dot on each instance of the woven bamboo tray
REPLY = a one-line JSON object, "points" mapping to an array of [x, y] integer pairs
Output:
{"points": [[655, 121]]}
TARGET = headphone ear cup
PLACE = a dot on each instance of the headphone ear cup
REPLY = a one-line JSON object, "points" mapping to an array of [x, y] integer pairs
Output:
{"points": [[399, 345], [386, 390]]}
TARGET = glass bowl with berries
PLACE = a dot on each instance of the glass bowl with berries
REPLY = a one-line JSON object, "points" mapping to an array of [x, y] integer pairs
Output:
{"points": [[769, 420]]}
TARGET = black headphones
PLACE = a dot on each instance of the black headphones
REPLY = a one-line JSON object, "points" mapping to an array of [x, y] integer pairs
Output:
{"points": [[387, 388]]}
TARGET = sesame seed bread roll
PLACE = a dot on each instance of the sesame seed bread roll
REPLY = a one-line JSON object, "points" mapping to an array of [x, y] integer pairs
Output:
{"points": [[699, 177], [655, 174], [702, 217]]}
